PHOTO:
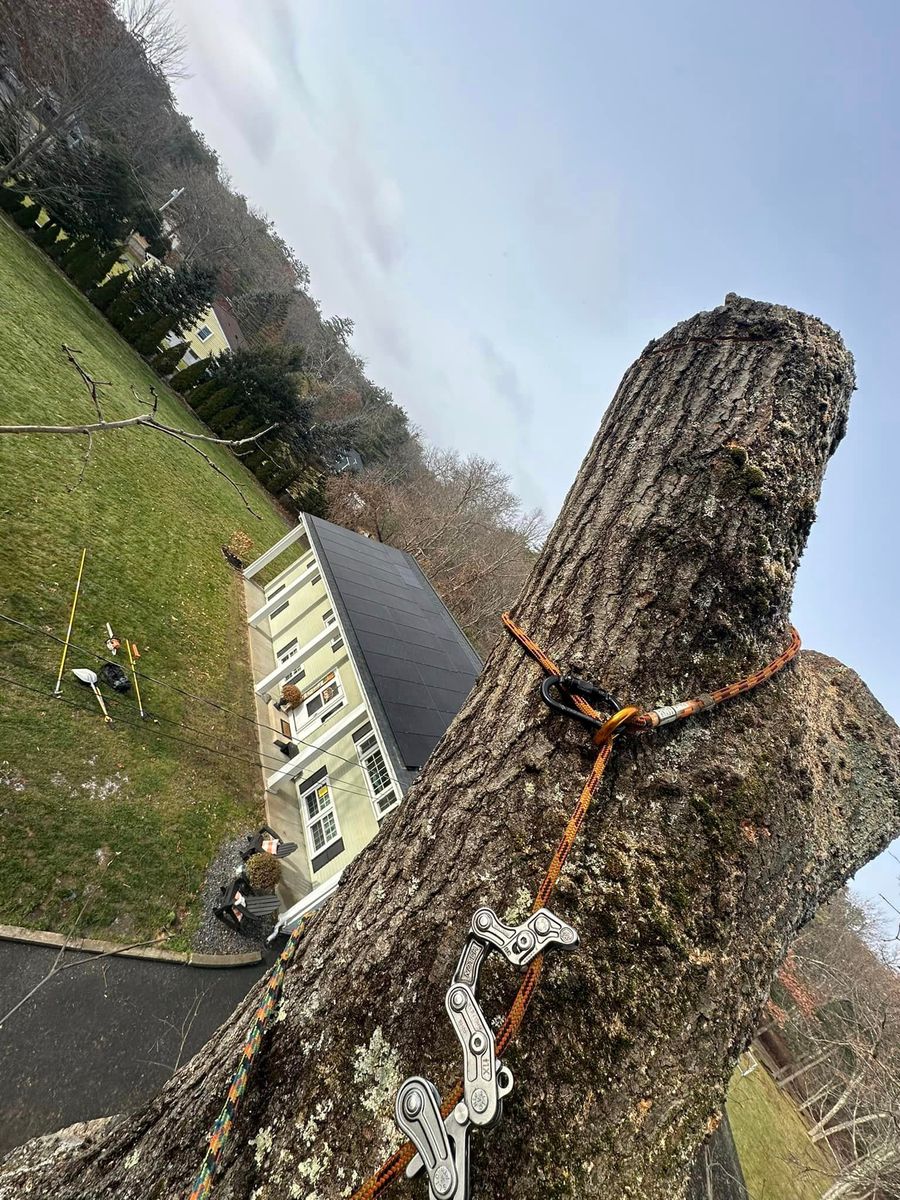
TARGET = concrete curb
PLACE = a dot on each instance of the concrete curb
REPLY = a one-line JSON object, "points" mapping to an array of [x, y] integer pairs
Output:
{"points": [[42, 937]]}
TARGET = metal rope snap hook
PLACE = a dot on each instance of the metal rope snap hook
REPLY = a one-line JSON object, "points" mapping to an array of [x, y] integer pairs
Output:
{"points": [[568, 685]]}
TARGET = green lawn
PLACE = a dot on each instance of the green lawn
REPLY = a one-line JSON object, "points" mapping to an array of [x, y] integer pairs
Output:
{"points": [[778, 1159], [153, 517]]}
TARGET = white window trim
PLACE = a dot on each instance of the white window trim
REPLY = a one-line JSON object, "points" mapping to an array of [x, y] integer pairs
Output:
{"points": [[278, 600], [277, 674], [287, 654], [380, 814], [200, 336], [310, 751], [308, 821], [323, 713]]}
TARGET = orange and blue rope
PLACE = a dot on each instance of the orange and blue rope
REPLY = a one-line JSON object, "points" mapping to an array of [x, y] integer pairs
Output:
{"points": [[222, 1129]]}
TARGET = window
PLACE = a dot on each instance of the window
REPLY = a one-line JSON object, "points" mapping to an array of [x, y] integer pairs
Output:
{"points": [[319, 817], [204, 333], [378, 779], [317, 578], [329, 620], [287, 652], [320, 703], [285, 655], [270, 595]]}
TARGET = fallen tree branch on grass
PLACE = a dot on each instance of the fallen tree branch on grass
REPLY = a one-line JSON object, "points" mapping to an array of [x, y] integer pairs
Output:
{"points": [[146, 420]]}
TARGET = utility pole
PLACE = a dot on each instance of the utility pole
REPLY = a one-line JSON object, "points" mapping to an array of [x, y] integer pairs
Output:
{"points": [[709, 844]]}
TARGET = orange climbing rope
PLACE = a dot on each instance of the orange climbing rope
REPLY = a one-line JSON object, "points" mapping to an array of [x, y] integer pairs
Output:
{"points": [[628, 719]]}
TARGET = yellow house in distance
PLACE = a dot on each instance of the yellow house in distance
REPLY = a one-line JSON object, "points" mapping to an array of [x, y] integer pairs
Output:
{"points": [[216, 330]]}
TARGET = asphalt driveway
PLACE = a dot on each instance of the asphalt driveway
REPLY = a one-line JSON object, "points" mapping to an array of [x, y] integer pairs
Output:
{"points": [[102, 1037]]}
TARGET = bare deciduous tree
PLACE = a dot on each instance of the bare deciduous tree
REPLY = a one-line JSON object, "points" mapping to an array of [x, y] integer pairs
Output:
{"points": [[73, 64]]}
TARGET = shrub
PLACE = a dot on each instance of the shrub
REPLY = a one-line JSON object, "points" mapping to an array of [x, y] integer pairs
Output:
{"points": [[186, 378], [291, 695], [25, 215], [10, 199], [217, 402], [263, 872], [166, 362], [47, 235], [104, 295]]}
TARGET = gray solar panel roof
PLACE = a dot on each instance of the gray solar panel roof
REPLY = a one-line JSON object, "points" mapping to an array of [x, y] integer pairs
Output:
{"points": [[411, 653]]}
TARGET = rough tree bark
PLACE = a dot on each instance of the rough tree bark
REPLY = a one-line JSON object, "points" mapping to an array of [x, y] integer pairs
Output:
{"points": [[669, 570]]}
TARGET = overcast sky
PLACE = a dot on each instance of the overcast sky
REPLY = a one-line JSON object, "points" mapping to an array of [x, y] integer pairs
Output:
{"points": [[511, 198]]}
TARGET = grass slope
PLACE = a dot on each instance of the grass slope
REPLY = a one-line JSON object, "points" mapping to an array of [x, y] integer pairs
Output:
{"points": [[778, 1159], [74, 794]]}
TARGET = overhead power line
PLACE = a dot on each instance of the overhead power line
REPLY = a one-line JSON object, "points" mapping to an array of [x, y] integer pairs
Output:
{"points": [[181, 691], [168, 736]]}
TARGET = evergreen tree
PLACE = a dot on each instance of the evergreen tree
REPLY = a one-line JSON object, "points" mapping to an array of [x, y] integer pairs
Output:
{"points": [[185, 379], [245, 428], [182, 294], [138, 325], [151, 341], [75, 249], [269, 384], [59, 249], [218, 402], [281, 480], [26, 215], [10, 199], [95, 267], [126, 305], [47, 235], [224, 419], [166, 362], [104, 294], [313, 499], [196, 396]]}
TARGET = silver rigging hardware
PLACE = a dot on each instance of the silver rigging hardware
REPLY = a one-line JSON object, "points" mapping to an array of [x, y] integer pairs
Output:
{"points": [[442, 1145]]}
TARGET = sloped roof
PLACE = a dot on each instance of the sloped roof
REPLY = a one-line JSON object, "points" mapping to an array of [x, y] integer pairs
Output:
{"points": [[417, 665], [229, 322]]}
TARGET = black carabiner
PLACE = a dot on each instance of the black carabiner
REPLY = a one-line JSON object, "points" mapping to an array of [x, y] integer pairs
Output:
{"points": [[568, 685]]}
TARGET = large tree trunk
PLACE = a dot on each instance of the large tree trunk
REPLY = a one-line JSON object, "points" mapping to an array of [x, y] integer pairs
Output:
{"points": [[669, 572]]}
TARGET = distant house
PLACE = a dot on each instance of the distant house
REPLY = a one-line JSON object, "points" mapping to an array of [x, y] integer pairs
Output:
{"points": [[382, 669], [216, 330]]}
